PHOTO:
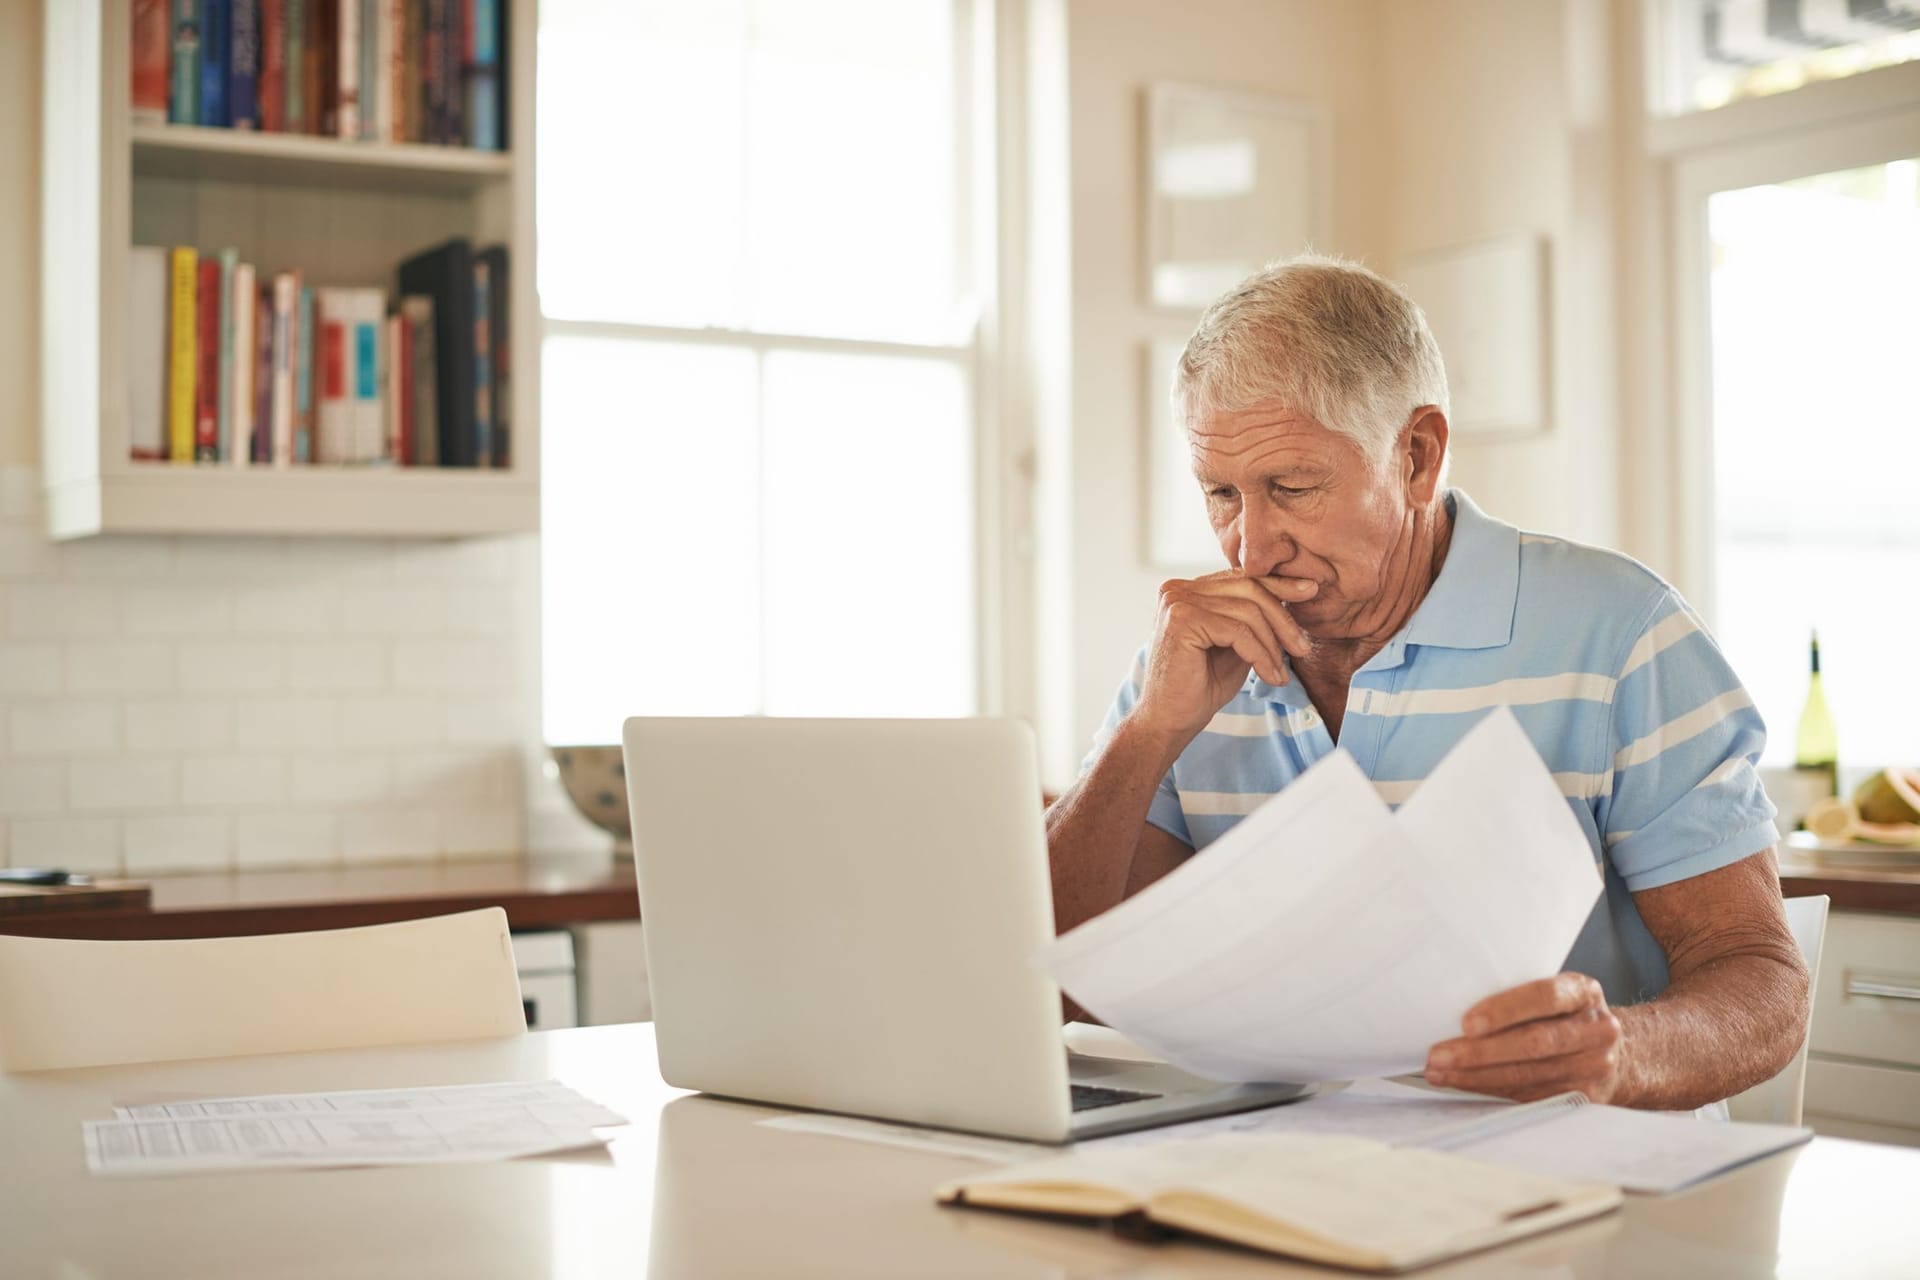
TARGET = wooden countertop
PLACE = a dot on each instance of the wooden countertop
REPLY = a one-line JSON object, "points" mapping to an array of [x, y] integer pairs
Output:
{"points": [[537, 892], [1893, 890]]}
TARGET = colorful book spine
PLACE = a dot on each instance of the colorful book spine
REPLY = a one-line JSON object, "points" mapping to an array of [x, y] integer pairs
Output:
{"points": [[263, 375], [453, 56], [214, 16], [223, 375], [333, 421], [244, 299], [206, 384], [183, 97], [243, 65], [273, 65], [368, 320], [286, 300], [393, 402], [393, 86], [433, 85], [500, 351], [147, 355], [346, 67], [182, 331], [482, 364], [296, 17], [323, 48], [306, 337], [373, 64], [417, 311], [152, 55], [413, 45], [483, 75]]}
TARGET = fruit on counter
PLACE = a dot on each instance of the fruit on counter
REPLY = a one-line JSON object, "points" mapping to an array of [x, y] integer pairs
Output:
{"points": [[1890, 796], [1837, 820]]}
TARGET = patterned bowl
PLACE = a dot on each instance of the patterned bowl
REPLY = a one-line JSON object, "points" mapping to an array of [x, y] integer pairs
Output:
{"points": [[596, 782]]}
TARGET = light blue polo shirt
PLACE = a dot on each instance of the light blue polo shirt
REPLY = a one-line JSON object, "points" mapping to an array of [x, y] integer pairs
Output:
{"points": [[1615, 679]]}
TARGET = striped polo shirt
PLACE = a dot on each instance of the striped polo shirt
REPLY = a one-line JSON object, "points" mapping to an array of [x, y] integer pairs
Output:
{"points": [[1615, 679]]}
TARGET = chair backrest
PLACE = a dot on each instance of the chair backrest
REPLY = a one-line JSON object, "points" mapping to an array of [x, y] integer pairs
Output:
{"points": [[67, 1003], [1777, 1101]]}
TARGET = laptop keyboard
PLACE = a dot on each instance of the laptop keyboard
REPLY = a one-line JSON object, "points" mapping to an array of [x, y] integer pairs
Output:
{"points": [[1086, 1097]]}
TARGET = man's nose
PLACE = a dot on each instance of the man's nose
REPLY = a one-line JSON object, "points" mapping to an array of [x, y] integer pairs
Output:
{"points": [[1265, 543]]}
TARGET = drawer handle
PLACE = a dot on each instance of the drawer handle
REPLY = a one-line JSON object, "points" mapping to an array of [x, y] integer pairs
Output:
{"points": [[1890, 990]]}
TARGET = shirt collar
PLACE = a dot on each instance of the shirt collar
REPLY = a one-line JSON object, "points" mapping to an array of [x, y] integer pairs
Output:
{"points": [[1470, 605]]}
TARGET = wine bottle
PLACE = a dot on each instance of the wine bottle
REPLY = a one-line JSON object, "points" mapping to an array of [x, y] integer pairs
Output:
{"points": [[1814, 745]]}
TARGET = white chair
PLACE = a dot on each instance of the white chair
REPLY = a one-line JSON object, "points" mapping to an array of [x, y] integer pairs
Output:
{"points": [[67, 1003], [1777, 1101]]}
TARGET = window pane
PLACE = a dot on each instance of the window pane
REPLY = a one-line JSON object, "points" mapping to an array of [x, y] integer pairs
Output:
{"points": [[870, 571], [650, 534], [1816, 443], [766, 164], [1720, 51]]}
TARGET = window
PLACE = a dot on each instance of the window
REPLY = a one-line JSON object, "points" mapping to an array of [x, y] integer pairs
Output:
{"points": [[1816, 443], [756, 272], [1721, 51]]}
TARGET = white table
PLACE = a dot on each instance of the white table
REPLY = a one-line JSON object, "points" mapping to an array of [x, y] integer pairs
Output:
{"points": [[695, 1188]]}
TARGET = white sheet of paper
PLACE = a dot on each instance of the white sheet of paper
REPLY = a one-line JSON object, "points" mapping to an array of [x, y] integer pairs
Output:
{"points": [[1323, 938], [454, 1123]]}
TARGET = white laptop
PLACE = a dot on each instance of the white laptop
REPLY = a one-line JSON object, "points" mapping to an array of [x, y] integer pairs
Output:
{"points": [[841, 915]]}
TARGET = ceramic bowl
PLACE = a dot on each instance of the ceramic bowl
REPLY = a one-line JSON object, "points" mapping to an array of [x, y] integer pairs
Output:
{"points": [[596, 782]]}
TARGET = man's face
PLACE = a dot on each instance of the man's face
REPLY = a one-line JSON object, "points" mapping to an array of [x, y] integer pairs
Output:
{"points": [[1288, 498]]}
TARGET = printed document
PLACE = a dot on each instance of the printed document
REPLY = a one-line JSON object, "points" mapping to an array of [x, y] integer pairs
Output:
{"points": [[1326, 938], [361, 1127]]}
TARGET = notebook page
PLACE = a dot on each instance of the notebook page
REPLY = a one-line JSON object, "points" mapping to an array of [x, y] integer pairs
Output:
{"points": [[1647, 1151]]}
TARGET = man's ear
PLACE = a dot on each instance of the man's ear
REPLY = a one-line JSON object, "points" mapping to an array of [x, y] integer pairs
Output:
{"points": [[1423, 451]]}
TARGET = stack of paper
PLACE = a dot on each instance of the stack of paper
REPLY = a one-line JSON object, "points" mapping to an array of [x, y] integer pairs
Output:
{"points": [[1326, 938], [362, 1127]]}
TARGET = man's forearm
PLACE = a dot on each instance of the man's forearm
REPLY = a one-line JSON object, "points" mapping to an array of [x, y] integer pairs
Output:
{"points": [[1722, 1028], [1094, 829]]}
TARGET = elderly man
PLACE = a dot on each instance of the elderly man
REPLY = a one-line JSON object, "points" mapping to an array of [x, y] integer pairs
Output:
{"points": [[1371, 607]]}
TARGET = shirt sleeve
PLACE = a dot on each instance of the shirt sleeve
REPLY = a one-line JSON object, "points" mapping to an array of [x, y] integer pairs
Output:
{"points": [[1686, 797], [1165, 812]]}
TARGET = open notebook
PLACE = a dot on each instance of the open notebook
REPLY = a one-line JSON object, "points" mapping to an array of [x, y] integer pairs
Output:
{"points": [[1352, 1202]]}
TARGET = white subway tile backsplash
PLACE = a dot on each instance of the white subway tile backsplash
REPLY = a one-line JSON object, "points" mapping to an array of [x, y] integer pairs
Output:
{"points": [[32, 788], [287, 611], [74, 844], [30, 669], [339, 780], [413, 610], [389, 835], [232, 666], [123, 786], [199, 723], [63, 728], [6, 840], [20, 495], [428, 779], [449, 664], [268, 840], [466, 560], [482, 831], [26, 552], [179, 842], [340, 665], [61, 610], [479, 611], [484, 722], [177, 611], [285, 724], [117, 559], [392, 722], [234, 782], [120, 666], [235, 560]]}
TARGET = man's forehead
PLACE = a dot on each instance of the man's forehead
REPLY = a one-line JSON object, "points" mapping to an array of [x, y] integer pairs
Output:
{"points": [[1264, 431]]}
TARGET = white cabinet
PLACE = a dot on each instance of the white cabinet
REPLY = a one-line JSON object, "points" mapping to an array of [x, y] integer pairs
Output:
{"points": [[544, 961], [613, 973], [1863, 1060]]}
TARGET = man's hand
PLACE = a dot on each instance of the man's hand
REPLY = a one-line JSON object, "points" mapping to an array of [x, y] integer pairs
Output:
{"points": [[1556, 1035], [1210, 632]]}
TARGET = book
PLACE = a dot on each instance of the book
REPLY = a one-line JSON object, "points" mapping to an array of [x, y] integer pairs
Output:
{"points": [[411, 40], [346, 68], [323, 50], [373, 64], [499, 358], [298, 71], [1349, 1202], [286, 300], [273, 65], [482, 363], [393, 86], [243, 65], [433, 84], [223, 379], [147, 354], [453, 56], [305, 338], [261, 442], [445, 274], [214, 15], [483, 74], [333, 420], [417, 312], [366, 316], [206, 374], [183, 358], [183, 97], [152, 56], [244, 295]]}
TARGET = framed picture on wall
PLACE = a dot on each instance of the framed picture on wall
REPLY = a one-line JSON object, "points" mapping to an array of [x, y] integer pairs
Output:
{"points": [[1487, 306], [1233, 181], [1178, 534]]}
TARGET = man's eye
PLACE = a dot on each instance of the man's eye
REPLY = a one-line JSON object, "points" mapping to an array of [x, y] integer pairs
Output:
{"points": [[1291, 492]]}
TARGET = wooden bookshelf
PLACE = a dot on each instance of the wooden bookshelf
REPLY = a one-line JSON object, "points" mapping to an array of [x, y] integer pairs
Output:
{"points": [[343, 212]]}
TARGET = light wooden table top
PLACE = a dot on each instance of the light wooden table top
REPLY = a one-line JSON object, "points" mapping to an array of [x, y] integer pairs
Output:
{"points": [[693, 1187]]}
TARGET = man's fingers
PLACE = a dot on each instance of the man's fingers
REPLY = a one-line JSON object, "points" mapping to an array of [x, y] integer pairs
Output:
{"points": [[1273, 669], [1224, 631], [1547, 998], [1270, 596], [1588, 1071], [1586, 1030]]}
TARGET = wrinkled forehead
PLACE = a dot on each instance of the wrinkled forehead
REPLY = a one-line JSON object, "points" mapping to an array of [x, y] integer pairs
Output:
{"points": [[1265, 439]]}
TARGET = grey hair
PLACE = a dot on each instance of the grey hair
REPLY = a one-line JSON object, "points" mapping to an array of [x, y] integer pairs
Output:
{"points": [[1321, 336]]}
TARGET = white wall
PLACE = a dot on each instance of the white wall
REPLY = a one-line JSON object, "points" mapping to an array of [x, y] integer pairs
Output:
{"points": [[1322, 51], [208, 703]]}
